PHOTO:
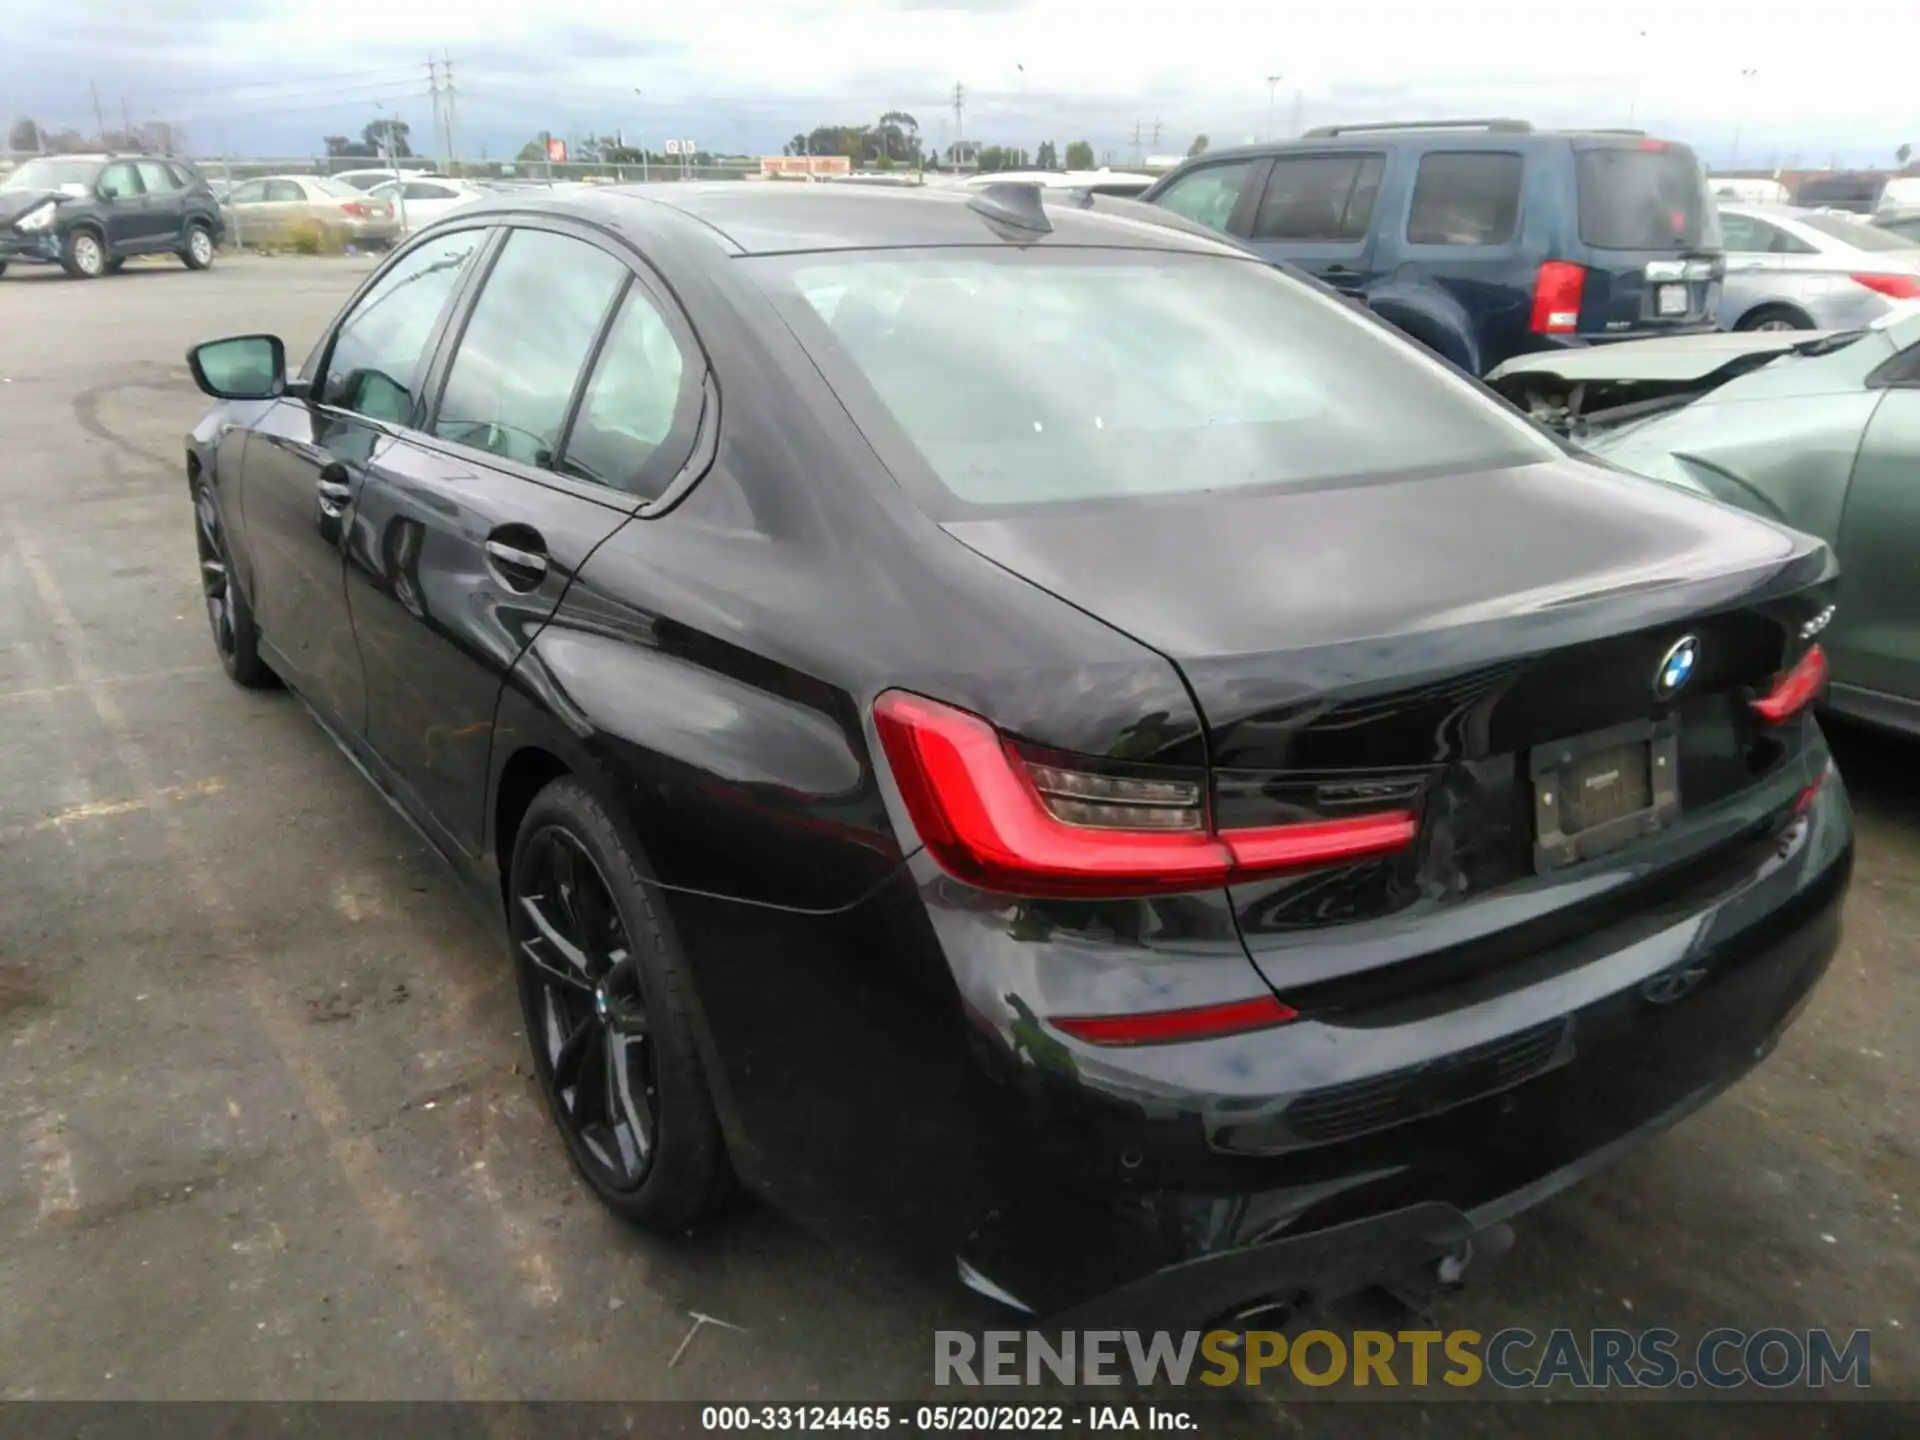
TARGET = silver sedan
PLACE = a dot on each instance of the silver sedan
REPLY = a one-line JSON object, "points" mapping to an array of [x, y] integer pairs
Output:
{"points": [[1791, 269]]}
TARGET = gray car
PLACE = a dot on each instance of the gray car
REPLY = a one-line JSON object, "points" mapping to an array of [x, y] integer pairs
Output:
{"points": [[1791, 269]]}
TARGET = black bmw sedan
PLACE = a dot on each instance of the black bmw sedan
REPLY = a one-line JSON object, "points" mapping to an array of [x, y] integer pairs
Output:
{"points": [[1031, 734]]}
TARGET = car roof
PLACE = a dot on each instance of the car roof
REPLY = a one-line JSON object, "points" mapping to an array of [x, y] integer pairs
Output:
{"points": [[771, 217], [1436, 136]]}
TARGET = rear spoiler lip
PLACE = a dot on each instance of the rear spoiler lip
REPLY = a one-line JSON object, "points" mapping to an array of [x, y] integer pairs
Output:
{"points": [[1675, 361]]}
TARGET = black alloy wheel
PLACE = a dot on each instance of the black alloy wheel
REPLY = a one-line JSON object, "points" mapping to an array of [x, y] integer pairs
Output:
{"points": [[581, 988], [228, 615], [602, 993]]}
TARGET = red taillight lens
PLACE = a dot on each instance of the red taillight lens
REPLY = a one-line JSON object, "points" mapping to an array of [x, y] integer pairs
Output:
{"points": [[1015, 827], [1894, 287], [1162, 1027], [355, 209], [1556, 297], [1796, 689]]}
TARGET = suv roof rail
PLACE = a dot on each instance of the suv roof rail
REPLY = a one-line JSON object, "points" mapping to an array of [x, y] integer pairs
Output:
{"points": [[1611, 130], [1496, 125]]}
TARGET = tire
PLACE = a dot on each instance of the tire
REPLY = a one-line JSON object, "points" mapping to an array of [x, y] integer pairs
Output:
{"points": [[196, 247], [83, 254], [3, 267], [1775, 317], [637, 1118], [114, 267], [235, 637]]}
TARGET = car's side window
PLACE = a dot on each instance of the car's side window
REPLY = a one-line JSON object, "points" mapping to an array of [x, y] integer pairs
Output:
{"points": [[526, 344], [1783, 242], [420, 191], [281, 191], [155, 177], [1742, 233], [1319, 197], [1208, 194], [378, 348], [1465, 197], [182, 176], [630, 405], [118, 182], [251, 193]]}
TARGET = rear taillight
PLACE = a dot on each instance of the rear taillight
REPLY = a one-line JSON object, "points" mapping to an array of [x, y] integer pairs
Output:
{"points": [[1556, 297], [354, 208], [1795, 690], [995, 819], [1894, 287]]}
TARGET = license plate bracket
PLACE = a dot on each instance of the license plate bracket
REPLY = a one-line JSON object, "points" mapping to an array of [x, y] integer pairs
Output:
{"points": [[1671, 300], [1594, 793]]}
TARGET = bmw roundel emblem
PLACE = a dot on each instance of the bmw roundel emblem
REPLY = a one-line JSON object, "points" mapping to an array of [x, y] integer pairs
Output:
{"points": [[1675, 667]]}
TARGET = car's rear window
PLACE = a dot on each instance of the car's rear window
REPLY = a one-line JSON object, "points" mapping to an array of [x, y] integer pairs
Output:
{"points": [[1857, 233], [326, 185], [1640, 198], [1015, 377]]}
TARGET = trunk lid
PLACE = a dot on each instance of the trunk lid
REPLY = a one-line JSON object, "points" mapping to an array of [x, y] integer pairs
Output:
{"points": [[1445, 644]]}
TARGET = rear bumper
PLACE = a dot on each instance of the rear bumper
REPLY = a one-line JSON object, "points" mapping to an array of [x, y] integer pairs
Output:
{"points": [[887, 1072]]}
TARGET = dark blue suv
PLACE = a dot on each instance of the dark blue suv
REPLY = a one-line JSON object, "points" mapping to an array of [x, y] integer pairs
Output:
{"points": [[1482, 239]]}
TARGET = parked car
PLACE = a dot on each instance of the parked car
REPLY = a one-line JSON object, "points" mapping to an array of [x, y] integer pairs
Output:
{"points": [[277, 208], [1482, 239], [1790, 269], [420, 203], [1907, 228], [1855, 191], [1031, 734], [1121, 184], [364, 180], [1820, 431], [90, 214]]}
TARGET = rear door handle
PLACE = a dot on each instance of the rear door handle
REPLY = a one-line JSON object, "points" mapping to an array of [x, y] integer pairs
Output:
{"points": [[335, 492], [520, 567]]}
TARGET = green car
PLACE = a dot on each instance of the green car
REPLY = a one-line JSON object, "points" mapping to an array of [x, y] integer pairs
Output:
{"points": [[1817, 429]]}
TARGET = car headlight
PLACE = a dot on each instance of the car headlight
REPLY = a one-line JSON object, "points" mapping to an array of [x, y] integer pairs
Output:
{"points": [[40, 218]]}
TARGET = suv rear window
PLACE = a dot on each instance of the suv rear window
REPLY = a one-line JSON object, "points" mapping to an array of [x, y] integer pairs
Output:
{"points": [[1634, 198], [1017, 378]]}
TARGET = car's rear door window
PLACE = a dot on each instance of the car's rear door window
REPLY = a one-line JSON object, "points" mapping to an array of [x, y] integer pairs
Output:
{"points": [[1319, 197], [1209, 194], [1465, 197], [1647, 196], [284, 192], [1013, 378], [636, 413], [526, 345], [119, 182], [155, 177], [378, 350]]}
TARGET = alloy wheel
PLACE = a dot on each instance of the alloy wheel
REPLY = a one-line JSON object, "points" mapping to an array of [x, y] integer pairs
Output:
{"points": [[200, 246], [216, 583], [88, 255], [587, 1018]]}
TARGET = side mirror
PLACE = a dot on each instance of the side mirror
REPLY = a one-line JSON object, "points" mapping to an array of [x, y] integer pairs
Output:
{"points": [[246, 367]]}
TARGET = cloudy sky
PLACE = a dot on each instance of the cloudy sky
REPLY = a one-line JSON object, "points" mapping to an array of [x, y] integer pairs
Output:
{"points": [[269, 77]]}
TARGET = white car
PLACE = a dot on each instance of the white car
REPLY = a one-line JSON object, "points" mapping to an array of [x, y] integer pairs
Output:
{"points": [[421, 200]]}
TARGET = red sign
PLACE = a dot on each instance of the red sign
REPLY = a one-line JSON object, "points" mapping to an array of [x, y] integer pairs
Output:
{"points": [[557, 151]]}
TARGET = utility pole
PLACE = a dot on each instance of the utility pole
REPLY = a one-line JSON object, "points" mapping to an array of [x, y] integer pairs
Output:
{"points": [[1273, 85], [1156, 134], [1740, 121], [959, 123], [126, 124], [99, 119], [1137, 151], [453, 148], [439, 118], [1297, 129]]}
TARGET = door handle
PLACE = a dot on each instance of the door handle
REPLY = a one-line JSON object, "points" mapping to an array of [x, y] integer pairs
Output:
{"points": [[334, 496], [521, 568]]}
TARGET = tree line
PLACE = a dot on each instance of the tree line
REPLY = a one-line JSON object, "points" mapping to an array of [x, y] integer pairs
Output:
{"points": [[152, 137]]}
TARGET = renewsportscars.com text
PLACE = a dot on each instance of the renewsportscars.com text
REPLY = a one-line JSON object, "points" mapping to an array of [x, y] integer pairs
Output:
{"points": [[1723, 1359]]}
